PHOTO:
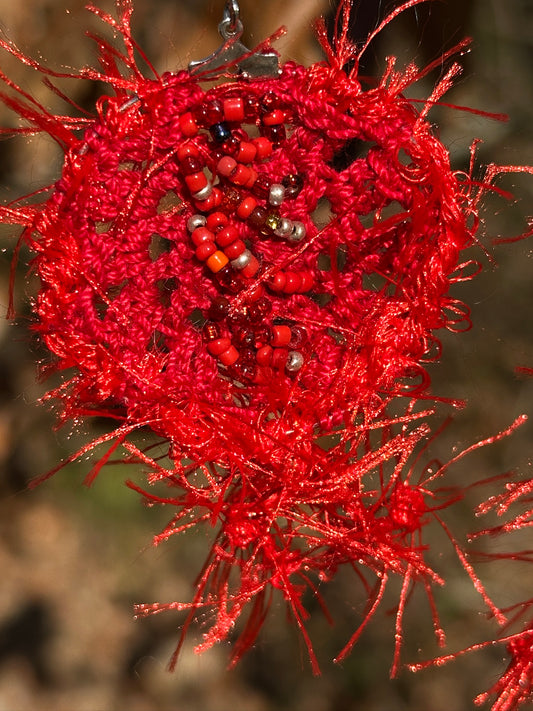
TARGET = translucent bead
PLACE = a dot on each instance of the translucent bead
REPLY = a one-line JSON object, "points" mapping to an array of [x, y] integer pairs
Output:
{"points": [[219, 309], [295, 361], [195, 221], [243, 260], [220, 132], [204, 192], [298, 232], [284, 228], [276, 195], [293, 184]]}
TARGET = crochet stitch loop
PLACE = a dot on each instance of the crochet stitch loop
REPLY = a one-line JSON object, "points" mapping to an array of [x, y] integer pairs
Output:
{"points": [[147, 299]]}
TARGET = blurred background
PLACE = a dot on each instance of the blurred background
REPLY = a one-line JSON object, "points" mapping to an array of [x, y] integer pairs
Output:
{"points": [[73, 560]]}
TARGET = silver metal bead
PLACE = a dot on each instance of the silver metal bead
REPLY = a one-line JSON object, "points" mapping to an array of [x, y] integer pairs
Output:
{"points": [[295, 360], [277, 194], [243, 260], [195, 221], [204, 193], [298, 232], [285, 228]]}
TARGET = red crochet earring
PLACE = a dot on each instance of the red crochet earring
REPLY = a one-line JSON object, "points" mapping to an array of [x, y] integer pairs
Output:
{"points": [[256, 272]]}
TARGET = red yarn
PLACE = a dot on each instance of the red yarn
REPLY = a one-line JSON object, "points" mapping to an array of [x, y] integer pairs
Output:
{"points": [[321, 336]]}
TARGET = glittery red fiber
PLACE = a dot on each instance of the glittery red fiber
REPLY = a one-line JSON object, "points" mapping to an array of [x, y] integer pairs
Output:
{"points": [[289, 388]]}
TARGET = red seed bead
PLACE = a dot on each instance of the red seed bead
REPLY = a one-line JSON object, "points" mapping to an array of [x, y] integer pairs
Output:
{"points": [[281, 336], [241, 175], [205, 250], [218, 346], [251, 180], [293, 282], [226, 235], [264, 147], [251, 269], [230, 356], [264, 355], [187, 149], [188, 125], [247, 152], [233, 250], [211, 202], [217, 261], [216, 220], [274, 118], [196, 182], [279, 358], [308, 281], [227, 166], [278, 282], [201, 235], [246, 207], [233, 109]]}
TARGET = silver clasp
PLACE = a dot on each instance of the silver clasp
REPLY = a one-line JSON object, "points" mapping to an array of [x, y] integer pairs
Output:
{"points": [[233, 55]]}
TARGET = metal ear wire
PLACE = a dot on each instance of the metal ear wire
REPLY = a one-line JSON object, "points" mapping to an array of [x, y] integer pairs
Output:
{"points": [[233, 54]]}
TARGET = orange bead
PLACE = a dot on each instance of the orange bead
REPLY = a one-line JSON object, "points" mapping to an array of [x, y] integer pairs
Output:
{"points": [[217, 261]]}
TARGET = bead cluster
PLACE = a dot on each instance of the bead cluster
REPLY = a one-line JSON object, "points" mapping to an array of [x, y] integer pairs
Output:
{"points": [[229, 194]]}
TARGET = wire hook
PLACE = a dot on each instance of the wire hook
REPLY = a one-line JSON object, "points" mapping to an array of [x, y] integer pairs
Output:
{"points": [[233, 54], [232, 13]]}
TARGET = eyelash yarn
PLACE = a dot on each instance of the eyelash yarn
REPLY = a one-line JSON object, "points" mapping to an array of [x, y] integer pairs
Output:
{"points": [[257, 272]]}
